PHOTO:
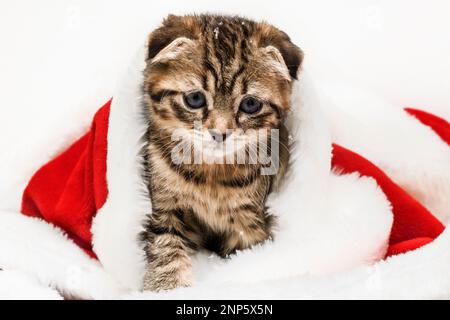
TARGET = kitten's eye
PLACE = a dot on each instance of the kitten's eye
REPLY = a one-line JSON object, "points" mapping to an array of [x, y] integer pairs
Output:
{"points": [[250, 105], [195, 99]]}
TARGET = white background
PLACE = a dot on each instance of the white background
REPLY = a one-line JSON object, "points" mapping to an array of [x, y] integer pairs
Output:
{"points": [[59, 60]]}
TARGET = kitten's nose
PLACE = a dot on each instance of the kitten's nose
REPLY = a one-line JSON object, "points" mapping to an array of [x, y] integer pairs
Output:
{"points": [[217, 135]]}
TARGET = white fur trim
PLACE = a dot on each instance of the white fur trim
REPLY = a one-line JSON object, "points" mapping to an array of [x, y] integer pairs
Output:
{"points": [[117, 225], [19, 285], [37, 249], [318, 209], [409, 152], [420, 274]]}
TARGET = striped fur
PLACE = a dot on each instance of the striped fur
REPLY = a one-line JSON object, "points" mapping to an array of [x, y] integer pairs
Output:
{"points": [[217, 207]]}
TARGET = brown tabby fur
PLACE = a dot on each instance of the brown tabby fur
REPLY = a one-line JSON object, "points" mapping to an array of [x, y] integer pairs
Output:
{"points": [[218, 207]]}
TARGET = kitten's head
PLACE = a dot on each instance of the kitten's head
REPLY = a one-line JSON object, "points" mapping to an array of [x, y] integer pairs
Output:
{"points": [[228, 74]]}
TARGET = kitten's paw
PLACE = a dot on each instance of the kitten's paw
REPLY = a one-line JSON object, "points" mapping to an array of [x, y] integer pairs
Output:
{"points": [[155, 281]]}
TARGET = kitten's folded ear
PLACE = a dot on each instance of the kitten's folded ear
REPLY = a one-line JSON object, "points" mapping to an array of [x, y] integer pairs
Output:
{"points": [[172, 28], [292, 55]]}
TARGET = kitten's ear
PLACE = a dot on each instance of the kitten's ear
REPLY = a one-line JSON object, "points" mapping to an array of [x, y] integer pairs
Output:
{"points": [[277, 59], [291, 54], [173, 27]]}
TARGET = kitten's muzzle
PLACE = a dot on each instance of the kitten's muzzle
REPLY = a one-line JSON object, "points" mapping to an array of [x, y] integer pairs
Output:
{"points": [[217, 135]]}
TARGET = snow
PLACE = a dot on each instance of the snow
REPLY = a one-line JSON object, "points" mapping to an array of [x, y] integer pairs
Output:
{"points": [[216, 33]]}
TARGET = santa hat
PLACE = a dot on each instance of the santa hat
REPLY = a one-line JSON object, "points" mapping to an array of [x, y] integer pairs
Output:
{"points": [[341, 207]]}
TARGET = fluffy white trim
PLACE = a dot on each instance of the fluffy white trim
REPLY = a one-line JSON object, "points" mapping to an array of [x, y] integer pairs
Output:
{"points": [[117, 225], [419, 274], [408, 151], [19, 285], [36, 248]]}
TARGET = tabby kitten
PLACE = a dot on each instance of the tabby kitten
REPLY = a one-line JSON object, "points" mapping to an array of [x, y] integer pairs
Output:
{"points": [[225, 73]]}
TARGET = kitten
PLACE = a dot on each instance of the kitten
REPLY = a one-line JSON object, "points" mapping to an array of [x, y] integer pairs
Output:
{"points": [[225, 73]]}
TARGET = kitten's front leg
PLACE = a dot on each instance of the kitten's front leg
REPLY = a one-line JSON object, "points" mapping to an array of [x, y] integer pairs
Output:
{"points": [[169, 263]]}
